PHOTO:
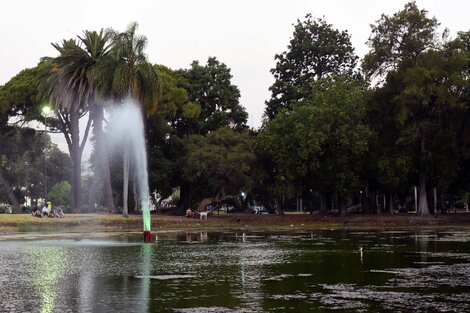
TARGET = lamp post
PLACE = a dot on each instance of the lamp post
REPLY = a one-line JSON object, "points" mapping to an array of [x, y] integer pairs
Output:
{"points": [[46, 109]]}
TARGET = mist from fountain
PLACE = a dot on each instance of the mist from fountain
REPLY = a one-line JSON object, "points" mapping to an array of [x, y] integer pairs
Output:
{"points": [[125, 134]]}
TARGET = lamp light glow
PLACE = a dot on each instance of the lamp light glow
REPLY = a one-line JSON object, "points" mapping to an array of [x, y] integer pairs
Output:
{"points": [[46, 109]]}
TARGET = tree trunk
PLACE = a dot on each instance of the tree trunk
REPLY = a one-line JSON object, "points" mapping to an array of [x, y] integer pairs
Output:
{"points": [[323, 208], [185, 197], [125, 185], [10, 193], [69, 126], [102, 152], [390, 202], [269, 203], [279, 204], [423, 209], [246, 204], [204, 203], [342, 206], [92, 194], [365, 199], [75, 200], [135, 188], [76, 156], [441, 203]]}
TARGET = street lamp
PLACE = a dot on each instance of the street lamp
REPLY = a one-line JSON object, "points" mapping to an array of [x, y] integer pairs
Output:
{"points": [[46, 109]]}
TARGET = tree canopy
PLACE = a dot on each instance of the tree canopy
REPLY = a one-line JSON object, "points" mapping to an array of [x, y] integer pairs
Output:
{"points": [[399, 39], [331, 138], [319, 143], [316, 50]]}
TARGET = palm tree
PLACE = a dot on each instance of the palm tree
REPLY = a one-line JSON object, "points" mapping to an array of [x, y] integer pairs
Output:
{"points": [[70, 82], [98, 47], [131, 75], [59, 85]]}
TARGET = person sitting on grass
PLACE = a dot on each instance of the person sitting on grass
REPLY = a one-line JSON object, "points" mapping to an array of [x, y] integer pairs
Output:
{"points": [[189, 213], [36, 212], [45, 211], [52, 212], [58, 212]]}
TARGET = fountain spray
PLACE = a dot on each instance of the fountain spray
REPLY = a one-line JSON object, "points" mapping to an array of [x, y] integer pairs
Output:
{"points": [[126, 126]]}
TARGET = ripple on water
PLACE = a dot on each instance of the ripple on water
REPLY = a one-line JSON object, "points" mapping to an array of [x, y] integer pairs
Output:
{"points": [[457, 236], [167, 277], [434, 276], [252, 273], [355, 298], [447, 255], [279, 277], [338, 300], [214, 309], [289, 297], [429, 263]]}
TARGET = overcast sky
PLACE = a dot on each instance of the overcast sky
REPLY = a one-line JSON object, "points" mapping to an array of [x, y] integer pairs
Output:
{"points": [[243, 34]]}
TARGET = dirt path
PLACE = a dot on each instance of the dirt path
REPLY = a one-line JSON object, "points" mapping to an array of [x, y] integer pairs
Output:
{"points": [[106, 222]]}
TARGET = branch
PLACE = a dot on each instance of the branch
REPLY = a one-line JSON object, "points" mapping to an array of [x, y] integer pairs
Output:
{"points": [[65, 132], [11, 196], [85, 136]]}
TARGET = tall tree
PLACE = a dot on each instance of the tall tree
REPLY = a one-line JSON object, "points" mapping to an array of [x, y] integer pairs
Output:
{"points": [[390, 164], [425, 80], [213, 102], [316, 50], [462, 182], [91, 61], [165, 148], [210, 87], [71, 84], [223, 161], [22, 154], [128, 73], [320, 143], [430, 97], [5, 167], [398, 40], [19, 104]]}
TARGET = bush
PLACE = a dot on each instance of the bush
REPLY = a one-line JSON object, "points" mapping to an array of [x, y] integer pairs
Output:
{"points": [[5, 208], [60, 194], [174, 199]]}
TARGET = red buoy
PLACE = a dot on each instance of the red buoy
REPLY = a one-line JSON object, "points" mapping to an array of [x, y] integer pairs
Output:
{"points": [[147, 236]]}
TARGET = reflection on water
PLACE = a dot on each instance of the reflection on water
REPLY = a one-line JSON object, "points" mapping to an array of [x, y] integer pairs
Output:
{"points": [[195, 237], [316, 271], [48, 274]]}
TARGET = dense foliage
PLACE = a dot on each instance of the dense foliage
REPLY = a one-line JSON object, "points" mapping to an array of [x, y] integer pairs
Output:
{"points": [[60, 194], [317, 50], [336, 136]]}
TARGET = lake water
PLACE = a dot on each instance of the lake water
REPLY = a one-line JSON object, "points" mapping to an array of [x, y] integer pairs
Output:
{"points": [[317, 271]]}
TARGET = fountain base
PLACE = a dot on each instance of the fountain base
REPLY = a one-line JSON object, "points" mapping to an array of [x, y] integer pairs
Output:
{"points": [[147, 236]]}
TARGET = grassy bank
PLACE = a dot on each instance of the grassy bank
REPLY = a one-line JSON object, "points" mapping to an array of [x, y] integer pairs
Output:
{"points": [[113, 222]]}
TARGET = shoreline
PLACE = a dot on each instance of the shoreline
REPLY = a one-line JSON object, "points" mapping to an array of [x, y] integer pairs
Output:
{"points": [[108, 223]]}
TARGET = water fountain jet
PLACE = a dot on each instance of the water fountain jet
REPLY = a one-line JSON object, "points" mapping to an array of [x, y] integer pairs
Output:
{"points": [[126, 133]]}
